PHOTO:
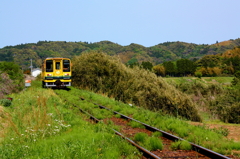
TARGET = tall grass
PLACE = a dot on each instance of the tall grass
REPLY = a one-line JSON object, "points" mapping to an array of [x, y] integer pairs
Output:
{"points": [[105, 74], [39, 124]]}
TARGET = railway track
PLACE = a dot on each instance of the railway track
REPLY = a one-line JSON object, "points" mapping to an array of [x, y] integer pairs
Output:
{"points": [[201, 152], [196, 152]]}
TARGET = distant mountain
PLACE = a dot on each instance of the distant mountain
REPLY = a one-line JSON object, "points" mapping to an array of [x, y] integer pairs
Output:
{"points": [[168, 51]]}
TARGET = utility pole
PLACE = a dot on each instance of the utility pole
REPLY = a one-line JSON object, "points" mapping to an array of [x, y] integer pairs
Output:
{"points": [[31, 66]]}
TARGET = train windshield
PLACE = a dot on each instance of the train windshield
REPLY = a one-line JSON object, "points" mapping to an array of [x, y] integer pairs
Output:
{"points": [[49, 66], [58, 66], [66, 65]]}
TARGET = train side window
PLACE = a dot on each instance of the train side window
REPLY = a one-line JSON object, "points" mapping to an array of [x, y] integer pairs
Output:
{"points": [[57, 65], [66, 66], [49, 66]]}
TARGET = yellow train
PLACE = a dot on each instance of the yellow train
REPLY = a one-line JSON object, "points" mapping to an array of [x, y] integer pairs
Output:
{"points": [[56, 72]]}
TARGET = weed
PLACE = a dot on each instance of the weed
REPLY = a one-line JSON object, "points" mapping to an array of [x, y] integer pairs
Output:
{"points": [[5, 102], [154, 143], [156, 134], [135, 124], [181, 145], [140, 137]]}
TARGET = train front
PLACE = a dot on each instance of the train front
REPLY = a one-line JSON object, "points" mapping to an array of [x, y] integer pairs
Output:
{"points": [[56, 72]]}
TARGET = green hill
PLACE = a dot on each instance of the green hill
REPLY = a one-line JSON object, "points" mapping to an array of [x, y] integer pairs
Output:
{"points": [[168, 51]]}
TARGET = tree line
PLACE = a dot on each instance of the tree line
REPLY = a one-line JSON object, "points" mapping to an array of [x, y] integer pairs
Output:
{"points": [[226, 64], [130, 54]]}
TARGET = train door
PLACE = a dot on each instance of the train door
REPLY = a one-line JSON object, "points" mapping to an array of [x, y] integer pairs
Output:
{"points": [[57, 68]]}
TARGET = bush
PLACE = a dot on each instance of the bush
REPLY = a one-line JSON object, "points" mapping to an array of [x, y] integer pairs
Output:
{"points": [[198, 74], [11, 78], [101, 73], [227, 106], [5, 102]]}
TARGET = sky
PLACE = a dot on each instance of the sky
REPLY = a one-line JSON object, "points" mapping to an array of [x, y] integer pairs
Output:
{"points": [[143, 22]]}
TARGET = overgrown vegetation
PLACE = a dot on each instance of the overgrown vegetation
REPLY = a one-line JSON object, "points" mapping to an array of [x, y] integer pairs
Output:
{"points": [[216, 97], [106, 74], [11, 78]]}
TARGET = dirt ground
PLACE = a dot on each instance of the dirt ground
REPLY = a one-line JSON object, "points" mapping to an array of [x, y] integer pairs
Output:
{"points": [[234, 129], [29, 77]]}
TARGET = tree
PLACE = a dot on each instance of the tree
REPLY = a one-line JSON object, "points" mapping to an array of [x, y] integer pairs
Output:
{"points": [[185, 66], [169, 68], [159, 70], [147, 65], [236, 79]]}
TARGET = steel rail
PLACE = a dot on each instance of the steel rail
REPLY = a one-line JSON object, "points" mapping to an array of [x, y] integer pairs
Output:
{"points": [[145, 152], [197, 148]]}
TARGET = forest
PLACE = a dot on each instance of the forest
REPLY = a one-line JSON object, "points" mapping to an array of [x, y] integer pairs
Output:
{"points": [[165, 59]]}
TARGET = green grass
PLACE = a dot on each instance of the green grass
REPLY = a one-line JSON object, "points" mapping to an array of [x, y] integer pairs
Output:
{"points": [[41, 125], [181, 145], [152, 143], [63, 111]]}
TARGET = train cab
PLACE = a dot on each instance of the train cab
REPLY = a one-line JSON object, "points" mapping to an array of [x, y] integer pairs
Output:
{"points": [[56, 72]]}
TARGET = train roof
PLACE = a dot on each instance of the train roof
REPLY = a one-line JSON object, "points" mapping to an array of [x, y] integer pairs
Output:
{"points": [[57, 58]]}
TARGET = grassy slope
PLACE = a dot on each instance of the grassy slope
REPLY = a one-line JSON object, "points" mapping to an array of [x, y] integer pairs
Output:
{"points": [[212, 139], [43, 125], [40, 125]]}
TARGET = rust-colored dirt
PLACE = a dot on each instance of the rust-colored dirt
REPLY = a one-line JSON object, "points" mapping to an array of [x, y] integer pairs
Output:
{"points": [[166, 152]]}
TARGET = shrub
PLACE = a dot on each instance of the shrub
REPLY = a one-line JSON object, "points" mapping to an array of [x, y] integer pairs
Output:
{"points": [[106, 74], [11, 78], [198, 74], [5, 102], [6, 85], [227, 106]]}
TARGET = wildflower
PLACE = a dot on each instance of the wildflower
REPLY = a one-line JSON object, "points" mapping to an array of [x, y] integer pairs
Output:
{"points": [[130, 105], [22, 134], [12, 138], [56, 126], [48, 124], [50, 114]]}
